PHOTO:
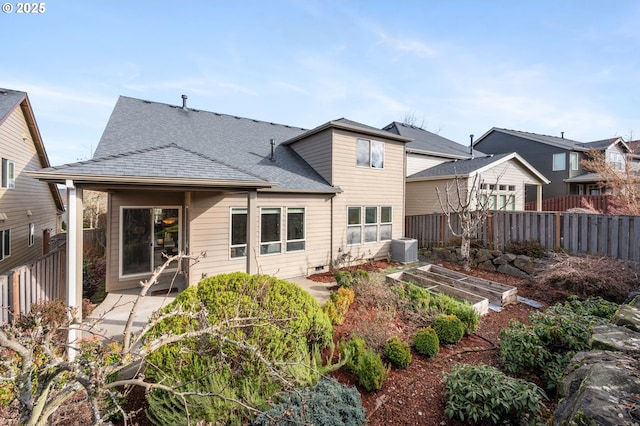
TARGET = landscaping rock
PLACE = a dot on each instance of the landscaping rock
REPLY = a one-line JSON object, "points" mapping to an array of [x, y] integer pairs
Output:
{"points": [[526, 264], [616, 338], [501, 260], [598, 388], [628, 316], [495, 253], [511, 270], [483, 255], [440, 253], [487, 265]]}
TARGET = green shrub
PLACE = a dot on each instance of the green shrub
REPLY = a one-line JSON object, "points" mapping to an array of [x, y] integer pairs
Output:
{"points": [[365, 364], [354, 348], [531, 248], [371, 371], [398, 352], [461, 309], [426, 342], [329, 403], [344, 279], [547, 345], [481, 393], [287, 324], [449, 328]]}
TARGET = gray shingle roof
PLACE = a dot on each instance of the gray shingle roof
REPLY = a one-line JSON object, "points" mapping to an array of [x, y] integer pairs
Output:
{"points": [[8, 100], [561, 142], [429, 142], [157, 162], [192, 143], [458, 167]]}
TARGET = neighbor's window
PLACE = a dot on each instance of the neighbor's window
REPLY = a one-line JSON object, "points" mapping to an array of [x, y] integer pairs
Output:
{"points": [[573, 159], [5, 243], [238, 232], [511, 202], [270, 231], [295, 229], [8, 174], [354, 225], [559, 161], [32, 230], [369, 154]]}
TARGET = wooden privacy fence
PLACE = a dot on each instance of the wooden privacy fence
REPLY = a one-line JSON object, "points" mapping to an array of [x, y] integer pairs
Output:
{"points": [[607, 235], [39, 281]]}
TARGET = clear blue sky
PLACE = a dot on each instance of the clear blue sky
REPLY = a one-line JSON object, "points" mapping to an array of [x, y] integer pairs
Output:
{"points": [[457, 67]]}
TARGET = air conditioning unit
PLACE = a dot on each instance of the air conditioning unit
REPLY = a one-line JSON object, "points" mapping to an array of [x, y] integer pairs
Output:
{"points": [[404, 250]]}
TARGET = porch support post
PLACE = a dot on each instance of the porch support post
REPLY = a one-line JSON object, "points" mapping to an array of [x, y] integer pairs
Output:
{"points": [[539, 197], [252, 232], [74, 265]]}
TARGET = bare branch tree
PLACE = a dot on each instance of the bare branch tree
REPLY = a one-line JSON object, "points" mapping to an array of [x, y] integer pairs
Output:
{"points": [[620, 181], [471, 201]]}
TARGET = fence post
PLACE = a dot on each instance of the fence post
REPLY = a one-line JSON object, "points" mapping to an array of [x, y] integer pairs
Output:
{"points": [[558, 233], [490, 231], [16, 294]]}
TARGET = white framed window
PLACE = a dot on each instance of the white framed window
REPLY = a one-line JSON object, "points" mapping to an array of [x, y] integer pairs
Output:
{"points": [[559, 161], [32, 231], [270, 237], [573, 160], [8, 174], [238, 237], [372, 226], [5, 243], [511, 202], [369, 154], [354, 225], [295, 229]]}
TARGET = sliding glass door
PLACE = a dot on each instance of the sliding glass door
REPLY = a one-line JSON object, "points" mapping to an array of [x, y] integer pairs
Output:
{"points": [[147, 233]]}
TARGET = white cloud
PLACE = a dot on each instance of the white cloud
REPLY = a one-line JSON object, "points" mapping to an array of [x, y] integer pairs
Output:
{"points": [[404, 44]]}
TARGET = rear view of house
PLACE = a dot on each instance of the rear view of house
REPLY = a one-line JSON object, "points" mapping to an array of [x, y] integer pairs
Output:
{"points": [[29, 209], [241, 194]]}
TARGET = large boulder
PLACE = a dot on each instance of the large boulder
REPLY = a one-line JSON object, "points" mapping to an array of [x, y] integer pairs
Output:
{"points": [[511, 270], [596, 390], [482, 255], [526, 264], [628, 316], [613, 337]]}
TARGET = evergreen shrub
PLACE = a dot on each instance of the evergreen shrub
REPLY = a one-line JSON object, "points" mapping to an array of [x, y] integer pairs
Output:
{"points": [[344, 279], [426, 342], [329, 403], [485, 395], [286, 326], [448, 328], [397, 352]]}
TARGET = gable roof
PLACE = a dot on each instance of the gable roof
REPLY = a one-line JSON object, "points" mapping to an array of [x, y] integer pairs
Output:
{"points": [[425, 142], [559, 142], [10, 100], [352, 126], [472, 166], [184, 144]]}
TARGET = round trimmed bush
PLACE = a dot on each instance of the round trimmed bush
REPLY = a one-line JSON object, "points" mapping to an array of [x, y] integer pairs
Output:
{"points": [[371, 371], [426, 342], [397, 352], [449, 328], [233, 358], [344, 279]]}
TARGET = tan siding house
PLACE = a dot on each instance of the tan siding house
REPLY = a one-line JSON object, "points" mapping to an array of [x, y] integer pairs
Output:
{"points": [[29, 209], [240, 194]]}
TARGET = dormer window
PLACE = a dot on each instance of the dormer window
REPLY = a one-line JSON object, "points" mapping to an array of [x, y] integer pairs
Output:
{"points": [[369, 154]]}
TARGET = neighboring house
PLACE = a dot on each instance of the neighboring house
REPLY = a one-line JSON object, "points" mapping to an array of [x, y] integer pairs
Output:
{"points": [[242, 194], [433, 162], [29, 208], [500, 183], [557, 158]]}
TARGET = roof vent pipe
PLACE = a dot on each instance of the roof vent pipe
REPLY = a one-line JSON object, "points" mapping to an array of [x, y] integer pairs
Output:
{"points": [[184, 101], [471, 146], [273, 149], [562, 135]]}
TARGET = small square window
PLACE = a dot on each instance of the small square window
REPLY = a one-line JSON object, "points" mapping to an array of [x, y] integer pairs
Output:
{"points": [[512, 187]]}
